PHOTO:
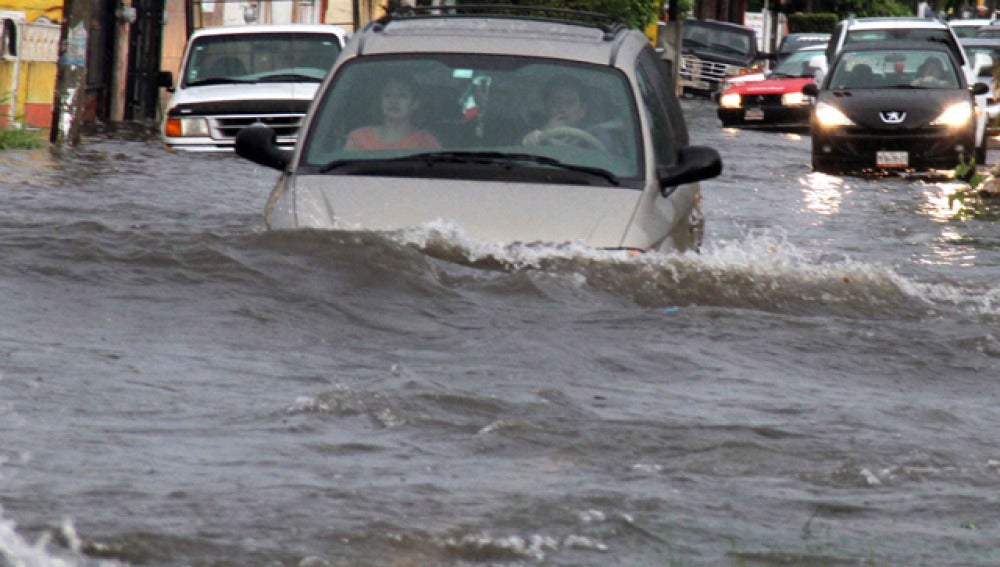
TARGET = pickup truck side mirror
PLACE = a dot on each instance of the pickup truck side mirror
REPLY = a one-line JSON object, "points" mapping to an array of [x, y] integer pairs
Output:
{"points": [[165, 79], [810, 89]]}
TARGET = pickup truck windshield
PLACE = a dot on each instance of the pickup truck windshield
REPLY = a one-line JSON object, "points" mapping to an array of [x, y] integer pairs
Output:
{"points": [[241, 58], [476, 114], [734, 42]]}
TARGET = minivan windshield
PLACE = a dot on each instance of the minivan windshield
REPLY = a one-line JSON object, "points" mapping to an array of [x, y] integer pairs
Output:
{"points": [[260, 57], [476, 115]]}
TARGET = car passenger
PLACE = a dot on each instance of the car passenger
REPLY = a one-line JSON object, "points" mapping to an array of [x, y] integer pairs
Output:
{"points": [[397, 132], [568, 115], [931, 73]]}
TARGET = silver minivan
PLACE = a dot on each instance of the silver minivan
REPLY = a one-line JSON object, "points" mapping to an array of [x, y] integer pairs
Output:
{"points": [[555, 127]]}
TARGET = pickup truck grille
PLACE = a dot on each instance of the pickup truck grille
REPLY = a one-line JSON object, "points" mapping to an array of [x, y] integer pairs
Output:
{"points": [[694, 70], [286, 126]]}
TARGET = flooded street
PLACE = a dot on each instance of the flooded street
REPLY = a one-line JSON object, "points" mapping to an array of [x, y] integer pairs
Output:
{"points": [[178, 386]]}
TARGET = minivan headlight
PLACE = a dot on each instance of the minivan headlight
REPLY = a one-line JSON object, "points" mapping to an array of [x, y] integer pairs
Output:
{"points": [[955, 115], [829, 115]]}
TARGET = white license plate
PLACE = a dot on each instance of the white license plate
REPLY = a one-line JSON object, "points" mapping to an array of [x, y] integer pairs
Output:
{"points": [[892, 159], [753, 114]]}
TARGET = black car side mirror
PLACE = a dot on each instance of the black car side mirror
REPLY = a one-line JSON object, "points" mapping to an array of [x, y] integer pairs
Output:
{"points": [[810, 89], [980, 88], [694, 163], [259, 145]]}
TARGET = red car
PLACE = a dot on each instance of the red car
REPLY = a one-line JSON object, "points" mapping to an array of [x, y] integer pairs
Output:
{"points": [[777, 100]]}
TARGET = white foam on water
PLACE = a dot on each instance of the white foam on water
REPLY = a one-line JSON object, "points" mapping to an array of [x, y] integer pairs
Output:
{"points": [[761, 262], [18, 552]]}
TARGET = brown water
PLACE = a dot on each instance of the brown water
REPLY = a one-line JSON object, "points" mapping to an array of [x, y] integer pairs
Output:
{"points": [[818, 387]]}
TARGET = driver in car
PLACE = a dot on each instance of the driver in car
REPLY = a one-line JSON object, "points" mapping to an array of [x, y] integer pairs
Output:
{"points": [[567, 113]]}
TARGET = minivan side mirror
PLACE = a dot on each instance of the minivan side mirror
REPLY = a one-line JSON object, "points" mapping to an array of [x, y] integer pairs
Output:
{"points": [[259, 145], [810, 89], [980, 88], [694, 163]]}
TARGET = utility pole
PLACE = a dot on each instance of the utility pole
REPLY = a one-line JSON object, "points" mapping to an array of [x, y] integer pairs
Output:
{"points": [[71, 75]]}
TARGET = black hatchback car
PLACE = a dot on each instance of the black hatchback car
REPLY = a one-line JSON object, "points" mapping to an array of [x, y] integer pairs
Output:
{"points": [[904, 106]]}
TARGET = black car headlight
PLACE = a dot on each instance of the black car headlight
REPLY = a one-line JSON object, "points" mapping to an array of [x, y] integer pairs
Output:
{"points": [[955, 115], [828, 115]]}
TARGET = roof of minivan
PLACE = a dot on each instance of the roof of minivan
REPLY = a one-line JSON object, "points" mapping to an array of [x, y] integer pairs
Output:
{"points": [[501, 35], [271, 28]]}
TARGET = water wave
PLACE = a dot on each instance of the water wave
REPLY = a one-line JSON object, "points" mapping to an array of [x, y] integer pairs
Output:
{"points": [[761, 271]]}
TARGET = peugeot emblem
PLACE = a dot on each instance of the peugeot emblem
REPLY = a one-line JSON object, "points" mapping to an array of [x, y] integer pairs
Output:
{"points": [[893, 116]]}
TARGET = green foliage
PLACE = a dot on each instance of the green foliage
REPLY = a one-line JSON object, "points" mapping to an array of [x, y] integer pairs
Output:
{"points": [[976, 201], [823, 22], [637, 13], [864, 8], [967, 172], [18, 137]]}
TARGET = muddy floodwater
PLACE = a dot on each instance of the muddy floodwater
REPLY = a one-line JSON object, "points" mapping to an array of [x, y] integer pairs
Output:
{"points": [[180, 387]]}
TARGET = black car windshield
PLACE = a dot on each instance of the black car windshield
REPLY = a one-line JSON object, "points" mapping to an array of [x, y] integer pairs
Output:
{"points": [[889, 68], [260, 57], [896, 35], [457, 110]]}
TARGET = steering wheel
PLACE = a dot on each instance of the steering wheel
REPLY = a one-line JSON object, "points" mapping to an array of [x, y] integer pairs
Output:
{"points": [[568, 135]]}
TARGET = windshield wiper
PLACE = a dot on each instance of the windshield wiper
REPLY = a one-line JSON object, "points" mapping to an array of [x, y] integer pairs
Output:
{"points": [[729, 48], [288, 77], [218, 81], [485, 158]]}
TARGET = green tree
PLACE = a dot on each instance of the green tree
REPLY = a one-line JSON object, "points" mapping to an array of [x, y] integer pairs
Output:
{"points": [[637, 13]]}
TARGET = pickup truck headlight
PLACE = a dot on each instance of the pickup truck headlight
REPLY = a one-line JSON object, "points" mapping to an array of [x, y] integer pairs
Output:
{"points": [[729, 100], [735, 70], [186, 127], [829, 115], [955, 115]]}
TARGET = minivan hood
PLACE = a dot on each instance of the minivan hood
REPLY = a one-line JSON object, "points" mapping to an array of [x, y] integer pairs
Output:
{"points": [[490, 212], [244, 91]]}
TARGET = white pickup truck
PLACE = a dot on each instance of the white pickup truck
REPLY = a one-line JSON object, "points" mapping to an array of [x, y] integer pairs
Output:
{"points": [[237, 76]]}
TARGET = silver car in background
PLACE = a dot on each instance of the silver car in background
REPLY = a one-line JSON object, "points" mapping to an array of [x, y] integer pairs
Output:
{"points": [[487, 153]]}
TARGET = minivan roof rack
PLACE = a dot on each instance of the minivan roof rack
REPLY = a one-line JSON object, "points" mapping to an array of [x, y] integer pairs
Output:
{"points": [[609, 24]]}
